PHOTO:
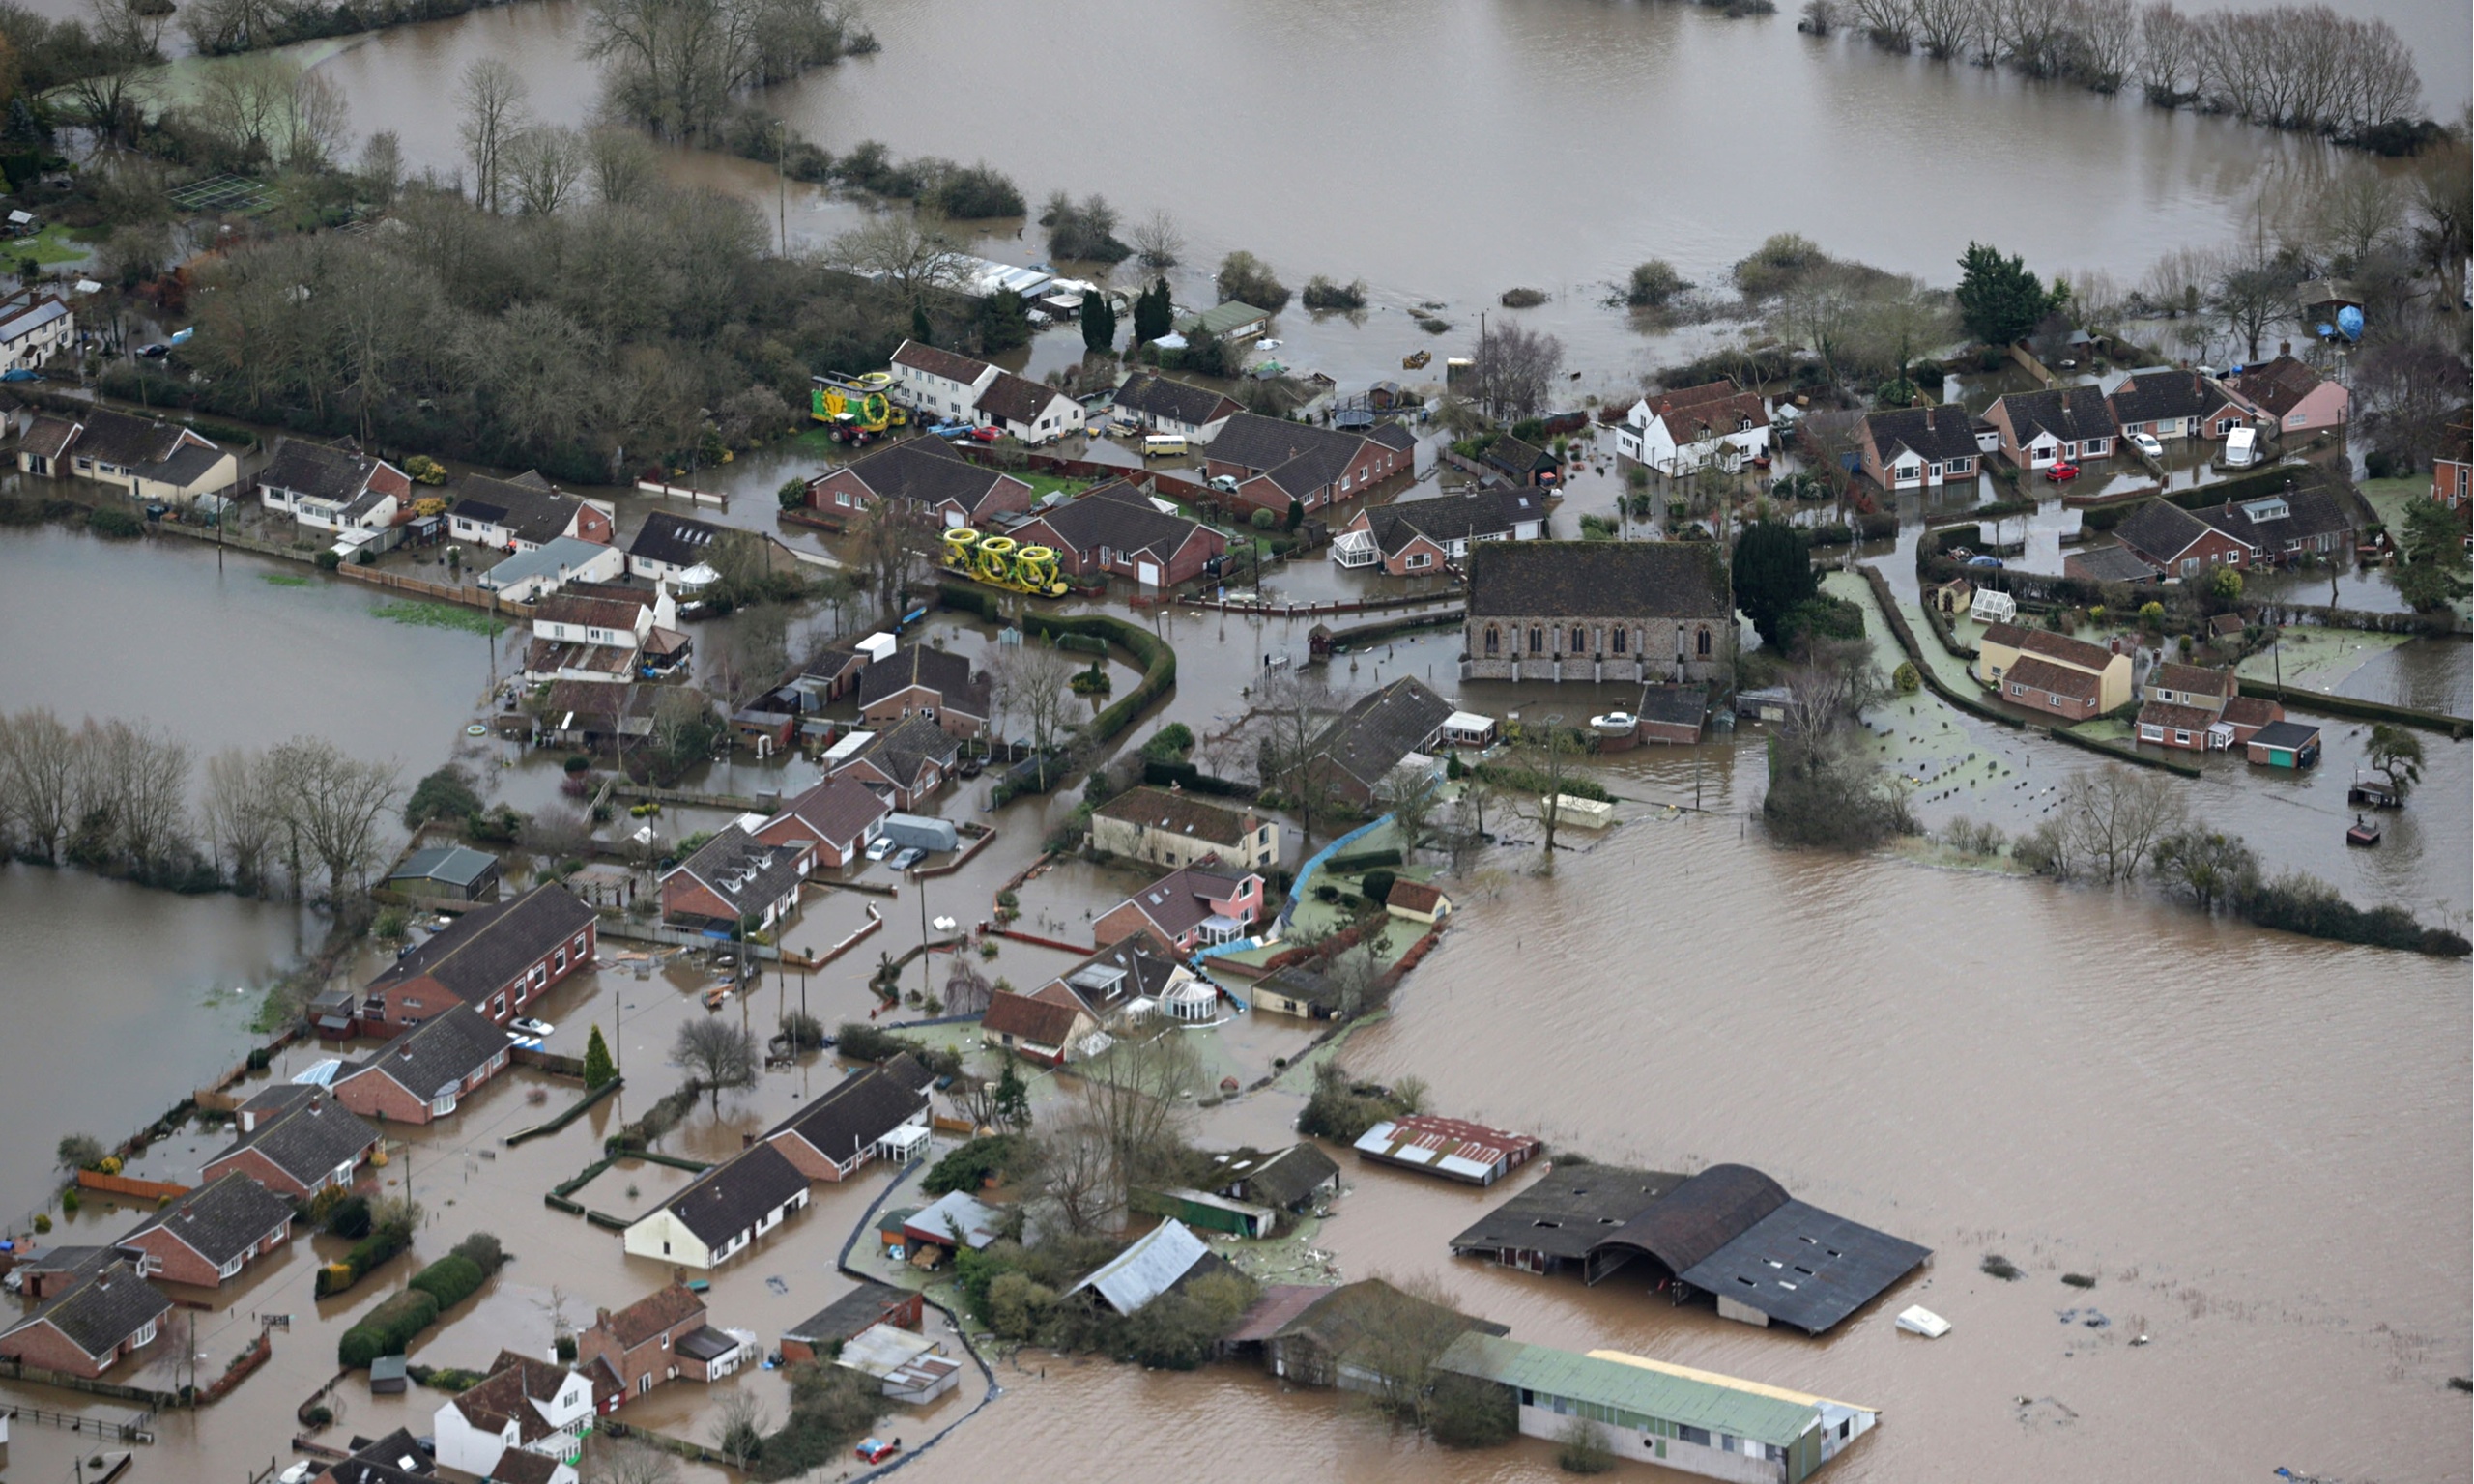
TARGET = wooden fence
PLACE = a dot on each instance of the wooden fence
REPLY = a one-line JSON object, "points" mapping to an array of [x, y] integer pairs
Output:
{"points": [[135, 1190], [444, 593], [682, 492]]}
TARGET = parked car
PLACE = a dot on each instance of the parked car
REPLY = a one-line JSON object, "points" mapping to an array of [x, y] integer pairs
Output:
{"points": [[1982, 561], [1225, 484], [875, 1450], [2146, 444], [907, 858], [155, 352], [22, 374], [2063, 471], [532, 1027], [986, 434], [880, 847]]}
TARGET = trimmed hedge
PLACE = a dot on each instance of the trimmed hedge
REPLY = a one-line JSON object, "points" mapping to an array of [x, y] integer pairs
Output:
{"points": [[1158, 660], [449, 1280], [388, 1330], [1358, 861], [1193, 779], [366, 1256]]}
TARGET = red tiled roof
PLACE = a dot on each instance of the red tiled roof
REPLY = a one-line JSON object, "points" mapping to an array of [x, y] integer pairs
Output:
{"points": [[655, 1313], [2045, 675]]}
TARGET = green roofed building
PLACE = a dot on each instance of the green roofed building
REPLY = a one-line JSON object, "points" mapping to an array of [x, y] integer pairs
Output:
{"points": [[1698, 1421]]}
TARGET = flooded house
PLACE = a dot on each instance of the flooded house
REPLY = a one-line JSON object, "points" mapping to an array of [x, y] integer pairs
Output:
{"points": [[1166, 1257], [426, 1072], [636, 1349], [1365, 1336], [206, 1237], [525, 514], [498, 959], [101, 1321], [447, 872], [2292, 397], [838, 818], [926, 475], [2048, 672], [723, 1211], [929, 682], [523, 1406], [1721, 1427], [906, 764], [676, 550], [1920, 447], [1734, 1234], [1172, 828], [1195, 908], [1113, 529], [2169, 402], [737, 878], [1294, 1179], [1276, 463], [605, 633], [298, 1144], [1419, 536], [1042, 1032], [1692, 427], [1598, 611], [336, 488], [1158, 404], [2185, 708], [1453, 1148], [154, 461], [2059, 425], [1400, 725], [876, 1113]]}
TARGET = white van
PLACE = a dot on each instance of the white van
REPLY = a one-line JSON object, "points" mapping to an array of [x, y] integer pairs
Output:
{"points": [[1163, 445], [2241, 447]]}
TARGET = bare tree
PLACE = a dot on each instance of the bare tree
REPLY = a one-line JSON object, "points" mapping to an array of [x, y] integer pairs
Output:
{"points": [[2166, 52], [2359, 210], [1070, 1165], [1295, 707], [2117, 815], [1412, 1320], [42, 768], [1156, 242], [1835, 681], [333, 804], [1030, 684], [751, 661], [2409, 388], [1546, 751], [716, 1053], [544, 167], [967, 990], [493, 97], [739, 1427], [892, 551], [1411, 796], [628, 1461], [910, 252], [1135, 1095], [1514, 367], [625, 168], [150, 775], [111, 52]]}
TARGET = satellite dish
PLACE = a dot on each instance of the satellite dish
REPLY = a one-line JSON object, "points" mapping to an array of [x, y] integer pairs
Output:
{"points": [[2349, 322]]}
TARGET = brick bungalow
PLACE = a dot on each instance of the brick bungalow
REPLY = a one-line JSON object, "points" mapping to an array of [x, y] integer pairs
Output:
{"points": [[937, 684], [1422, 535], [822, 1333], [2292, 397], [2006, 648], [2453, 468], [837, 1134], [2045, 686], [92, 1328], [423, 1073], [2172, 540], [2249, 715], [1159, 405], [637, 1346], [1188, 909], [1379, 733], [1277, 462], [208, 1236], [926, 475], [1115, 530], [2168, 725], [2167, 402], [1918, 447], [1037, 1030], [910, 763], [299, 1148], [2063, 424], [838, 818], [2284, 527], [496, 958], [734, 877]]}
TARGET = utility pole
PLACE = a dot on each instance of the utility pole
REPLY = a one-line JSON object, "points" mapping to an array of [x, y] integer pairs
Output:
{"points": [[781, 188], [923, 936]]}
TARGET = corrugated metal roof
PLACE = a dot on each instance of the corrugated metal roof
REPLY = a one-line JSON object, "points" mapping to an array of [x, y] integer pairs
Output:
{"points": [[1722, 1404], [1148, 1268]]}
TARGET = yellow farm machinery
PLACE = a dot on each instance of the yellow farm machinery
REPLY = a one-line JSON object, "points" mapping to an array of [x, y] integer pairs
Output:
{"points": [[999, 562]]}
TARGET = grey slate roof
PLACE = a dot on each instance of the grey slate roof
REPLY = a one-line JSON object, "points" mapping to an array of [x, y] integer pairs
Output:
{"points": [[733, 1197], [1518, 458], [2161, 530], [674, 539], [310, 1140], [1158, 396], [1394, 435], [1287, 1178], [1597, 580], [743, 869], [1568, 1209], [1317, 467], [1176, 903], [2312, 513], [942, 671], [188, 463], [1016, 398], [1935, 434], [317, 470], [2157, 394], [905, 751], [1177, 811], [864, 1306], [220, 1220], [526, 506], [2067, 413], [863, 1107], [99, 1314], [118, 438], [1368, 740], [1803, 1267], [2110, 564], [1261, 443], [926, 473], [1443, 519], [1137, 966], [1119, 517], [435, 1056], [482, 951]]}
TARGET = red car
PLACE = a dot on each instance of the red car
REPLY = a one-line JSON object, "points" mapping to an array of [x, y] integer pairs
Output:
{"points": [[875, 1450], [986, 434], [2063, 471]]}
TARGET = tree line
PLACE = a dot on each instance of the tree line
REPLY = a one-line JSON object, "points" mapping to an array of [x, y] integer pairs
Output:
{"points": [[128, 800], [2304, 67]]}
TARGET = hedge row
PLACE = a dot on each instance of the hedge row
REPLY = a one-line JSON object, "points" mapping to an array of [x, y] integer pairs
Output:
{"points": [[366, 1256], [1357, 862], [449, 1280], [1193, 779], [1158, 660], [388, 1330]]}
